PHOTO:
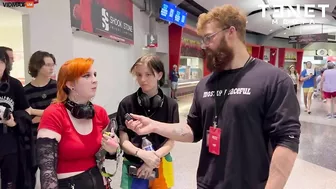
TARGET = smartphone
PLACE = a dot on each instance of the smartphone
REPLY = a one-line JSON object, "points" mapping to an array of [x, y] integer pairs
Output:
{"points": [[132, 170], [128, 117]]}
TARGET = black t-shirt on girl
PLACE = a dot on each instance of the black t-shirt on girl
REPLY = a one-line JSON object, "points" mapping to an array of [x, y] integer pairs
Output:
{"points": [[168, 113], [14, 99]]}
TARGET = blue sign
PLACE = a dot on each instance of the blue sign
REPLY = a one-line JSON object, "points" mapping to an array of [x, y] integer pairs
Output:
{"points": [[180, 17], [167, 11]]}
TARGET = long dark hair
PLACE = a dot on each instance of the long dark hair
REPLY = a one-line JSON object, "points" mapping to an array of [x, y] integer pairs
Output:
{"points": [[289, 70], [5, 58]]}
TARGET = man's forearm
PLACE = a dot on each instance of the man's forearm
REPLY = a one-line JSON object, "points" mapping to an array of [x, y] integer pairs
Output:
{"points": [[281, 166], [176, 131]]}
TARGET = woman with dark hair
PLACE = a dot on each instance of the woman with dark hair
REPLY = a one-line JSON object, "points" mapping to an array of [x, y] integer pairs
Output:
{"points": [[10, 54], [71, 130], [143, 169], [294, 76], [12, 100], [40, 92]]}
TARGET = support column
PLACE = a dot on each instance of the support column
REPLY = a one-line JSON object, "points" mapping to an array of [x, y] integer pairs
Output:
{"points": [[261, 52], [281, 57], [175, 42], [273, 55], [298, 65]]}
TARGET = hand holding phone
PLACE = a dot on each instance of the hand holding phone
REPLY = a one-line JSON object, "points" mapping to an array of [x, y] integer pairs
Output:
{"points": [[128, 117]]}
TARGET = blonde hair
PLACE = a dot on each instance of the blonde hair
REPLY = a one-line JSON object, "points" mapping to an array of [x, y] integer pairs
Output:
{"points": [[226, 16], [70, 71]]}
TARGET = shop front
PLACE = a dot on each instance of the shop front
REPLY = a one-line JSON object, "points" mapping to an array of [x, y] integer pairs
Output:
{"points": [[191, 61], [191, 67]]}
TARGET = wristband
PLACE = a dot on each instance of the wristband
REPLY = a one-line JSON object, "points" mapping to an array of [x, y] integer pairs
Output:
{"points": [[136, 153]]}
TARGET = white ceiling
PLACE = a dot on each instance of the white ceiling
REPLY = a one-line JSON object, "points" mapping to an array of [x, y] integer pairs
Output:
{"points": [[262, 25], [10, 17]]}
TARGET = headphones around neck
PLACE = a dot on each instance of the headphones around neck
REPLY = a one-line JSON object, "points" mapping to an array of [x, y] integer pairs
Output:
{"points": [[4, 87], [80, 111], [145, 101]]}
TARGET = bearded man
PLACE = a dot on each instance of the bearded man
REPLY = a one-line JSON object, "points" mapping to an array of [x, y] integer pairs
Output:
{"points": [[246, 112]]}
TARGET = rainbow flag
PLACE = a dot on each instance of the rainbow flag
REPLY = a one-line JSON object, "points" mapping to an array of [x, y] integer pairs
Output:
{"points": [[165, 180]]}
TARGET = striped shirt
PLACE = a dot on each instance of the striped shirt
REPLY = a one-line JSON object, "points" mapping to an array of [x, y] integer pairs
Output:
{"points": [[40, 97]]}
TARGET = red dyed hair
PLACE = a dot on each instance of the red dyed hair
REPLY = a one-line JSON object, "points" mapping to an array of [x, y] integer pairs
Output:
{"points": [[71, 71]]}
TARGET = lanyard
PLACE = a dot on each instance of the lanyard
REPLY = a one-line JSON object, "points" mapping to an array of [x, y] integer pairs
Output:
{"points": [[220, 103]]}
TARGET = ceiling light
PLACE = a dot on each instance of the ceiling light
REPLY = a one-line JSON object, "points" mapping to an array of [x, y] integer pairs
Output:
{"points": [[271, 30], [285, 33]]}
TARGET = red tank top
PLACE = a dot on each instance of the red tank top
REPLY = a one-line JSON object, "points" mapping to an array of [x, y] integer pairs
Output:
{"points": [[76, 152]]}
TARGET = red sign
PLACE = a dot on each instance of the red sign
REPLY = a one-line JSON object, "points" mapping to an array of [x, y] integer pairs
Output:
{"points": [[331, 58], [111, 19]]}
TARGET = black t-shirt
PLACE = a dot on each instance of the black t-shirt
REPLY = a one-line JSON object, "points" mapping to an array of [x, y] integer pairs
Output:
{"points": [[261, 112], [168, 113], [15, 100]]}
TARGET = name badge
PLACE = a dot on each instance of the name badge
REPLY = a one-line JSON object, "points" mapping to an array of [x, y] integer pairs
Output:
{"points": [[213, 140]]}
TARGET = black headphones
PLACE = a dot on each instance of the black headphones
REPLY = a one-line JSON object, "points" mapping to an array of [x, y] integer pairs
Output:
{"points": [[80, 111], [4, 87], [144, 100]]}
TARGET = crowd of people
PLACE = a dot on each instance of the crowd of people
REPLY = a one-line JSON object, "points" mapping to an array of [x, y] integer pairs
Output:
{"points": [[317, 83], [44, 122]]}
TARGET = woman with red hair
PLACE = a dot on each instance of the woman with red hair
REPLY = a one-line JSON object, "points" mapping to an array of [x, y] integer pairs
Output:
{"points": [[70, 131]]}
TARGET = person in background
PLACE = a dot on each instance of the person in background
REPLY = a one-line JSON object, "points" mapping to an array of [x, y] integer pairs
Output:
{"points": [[257, 151], [12, 100], [319, 86], [10, 54], [307, 76], [149, 101], [328, 84], [71, 129], [174, 76], [40, 91], [294, 76]]}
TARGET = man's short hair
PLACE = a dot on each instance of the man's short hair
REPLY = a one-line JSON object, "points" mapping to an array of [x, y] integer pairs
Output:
{"points": [[226, 16], [330, 65]]}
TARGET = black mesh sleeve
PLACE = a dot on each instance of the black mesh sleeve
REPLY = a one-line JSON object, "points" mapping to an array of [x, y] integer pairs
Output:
{"points": [[47, 162]]}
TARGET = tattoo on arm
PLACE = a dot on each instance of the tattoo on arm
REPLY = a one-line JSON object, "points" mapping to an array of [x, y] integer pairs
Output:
{"points": [[180, 131]]}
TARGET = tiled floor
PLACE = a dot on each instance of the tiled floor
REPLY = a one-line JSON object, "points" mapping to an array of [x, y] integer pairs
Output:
{"points": [[314, 169]]}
